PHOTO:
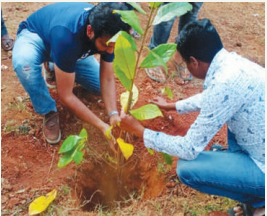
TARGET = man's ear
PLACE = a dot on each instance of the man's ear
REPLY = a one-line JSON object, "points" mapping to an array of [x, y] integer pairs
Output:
{"points": [[90, 32], [194, 61]]}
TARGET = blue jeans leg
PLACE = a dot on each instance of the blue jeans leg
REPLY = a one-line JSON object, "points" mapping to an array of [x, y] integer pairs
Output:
{"points": [[87, 74], [28, 54], [190, 16], [161, 32], [229, 174], [3, 25]]}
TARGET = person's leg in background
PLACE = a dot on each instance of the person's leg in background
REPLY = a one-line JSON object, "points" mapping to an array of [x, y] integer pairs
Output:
{"points": [[189, 16], [7, 42], [161, 33]]}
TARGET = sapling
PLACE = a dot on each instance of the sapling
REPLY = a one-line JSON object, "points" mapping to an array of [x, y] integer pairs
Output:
{"points": [[126, 63], [127, 56]]}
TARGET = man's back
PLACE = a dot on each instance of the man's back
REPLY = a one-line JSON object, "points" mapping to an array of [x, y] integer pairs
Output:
{"points": [[245, 81]]}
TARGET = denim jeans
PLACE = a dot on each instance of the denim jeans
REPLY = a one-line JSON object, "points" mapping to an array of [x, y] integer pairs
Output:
{"points": [[3, 25], [29, 53], [231, 174], [161, 32]]}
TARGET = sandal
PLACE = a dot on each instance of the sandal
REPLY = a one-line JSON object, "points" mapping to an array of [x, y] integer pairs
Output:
{"points": [[7, 42], [49, 75], [182, 72], [134, 34], [247, 210], [156, 74]]}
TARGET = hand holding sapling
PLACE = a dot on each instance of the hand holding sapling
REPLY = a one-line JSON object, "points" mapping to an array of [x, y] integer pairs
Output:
{"points": [[131, 124], [114, 119], [162, 103]]}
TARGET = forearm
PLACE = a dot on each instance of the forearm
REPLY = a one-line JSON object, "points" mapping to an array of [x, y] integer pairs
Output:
{"points": [[82, 112], [65, 82], [108, 88], [191, 104], [169, 106]]}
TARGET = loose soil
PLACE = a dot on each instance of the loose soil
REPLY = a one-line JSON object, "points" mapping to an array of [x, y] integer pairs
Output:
{"points": [[29, 163]]}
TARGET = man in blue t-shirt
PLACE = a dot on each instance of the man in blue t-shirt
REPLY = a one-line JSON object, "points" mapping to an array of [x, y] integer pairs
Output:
{"points": [[68, 34]]}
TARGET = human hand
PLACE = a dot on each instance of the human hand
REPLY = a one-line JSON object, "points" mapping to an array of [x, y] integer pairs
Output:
{"points": [[130, 124], [114, 119], [110, 138], [160, 102]]}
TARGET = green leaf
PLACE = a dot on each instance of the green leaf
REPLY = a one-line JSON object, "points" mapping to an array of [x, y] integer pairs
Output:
{"points": [[170, 10], [163, 52], [65, 159], [130, 18], [159, 60], [145, 112], [159, 56], [167, 158], [83, 134], [125, 35], [125, 81], [137, 7], [114, 38], [75, 154], [168, 92], [155, 4], [69, 143], [150, 151], [78, 157], [124, 57]]}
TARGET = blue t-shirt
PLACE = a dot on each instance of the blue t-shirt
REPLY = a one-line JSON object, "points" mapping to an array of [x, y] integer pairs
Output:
{"points": [[62, 27]]}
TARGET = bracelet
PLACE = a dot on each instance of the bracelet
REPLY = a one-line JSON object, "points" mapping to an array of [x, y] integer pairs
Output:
{"points": [[113, 113]]}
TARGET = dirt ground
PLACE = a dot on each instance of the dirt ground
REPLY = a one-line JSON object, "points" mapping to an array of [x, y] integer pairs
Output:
{"points": [[147, 186]]}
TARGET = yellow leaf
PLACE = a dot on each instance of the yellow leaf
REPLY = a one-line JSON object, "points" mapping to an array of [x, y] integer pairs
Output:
{"points": [[125, 96], [126, 148], [108, 133], [41, 203]]}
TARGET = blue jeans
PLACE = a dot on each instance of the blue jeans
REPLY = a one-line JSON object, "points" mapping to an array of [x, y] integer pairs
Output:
{"points": [[29, 53], [161, 32], [231, 174], [3, 25]]}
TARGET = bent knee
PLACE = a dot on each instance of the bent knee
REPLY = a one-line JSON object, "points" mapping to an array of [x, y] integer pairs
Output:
{"points": [[182, 170]]}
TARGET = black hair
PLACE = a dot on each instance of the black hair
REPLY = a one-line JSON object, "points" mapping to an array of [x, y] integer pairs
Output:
{"points": [[104, 22], [200, 40]]}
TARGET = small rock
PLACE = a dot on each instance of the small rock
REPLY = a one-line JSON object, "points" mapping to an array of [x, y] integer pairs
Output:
{"points": [[170, 184], [23, 202], [179, 214], [4, 199], [14, 201], [175, 191], [7, 187], [9, 54]]}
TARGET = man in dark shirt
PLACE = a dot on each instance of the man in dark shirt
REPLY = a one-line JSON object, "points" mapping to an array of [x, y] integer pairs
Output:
{"points": [[68, 34]]}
